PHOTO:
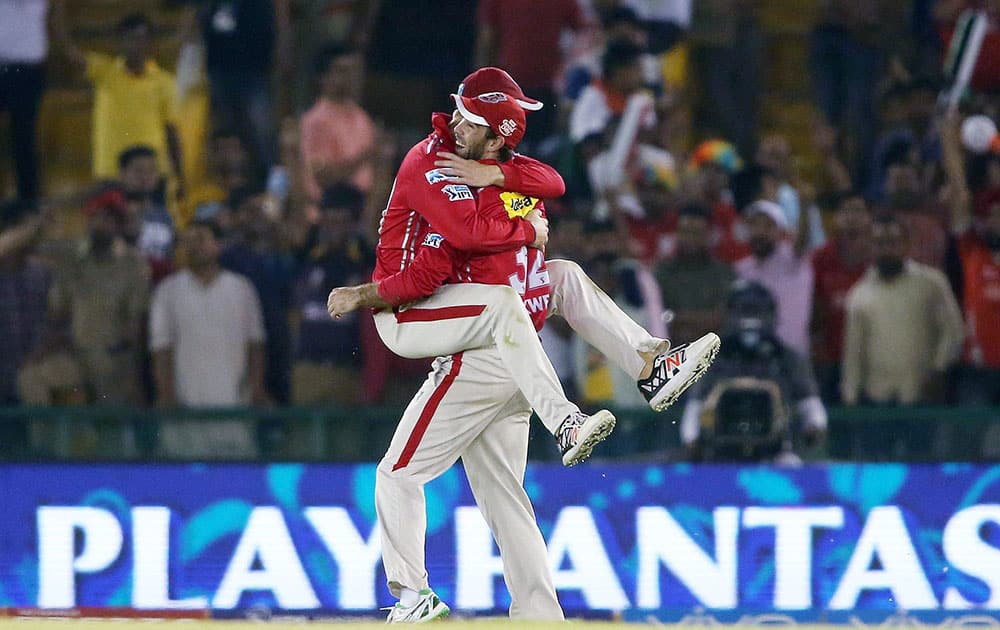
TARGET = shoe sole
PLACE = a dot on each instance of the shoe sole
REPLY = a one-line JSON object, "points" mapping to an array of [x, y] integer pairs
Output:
{"points": [[700, 367], [601, 425], [442, 613], [436, 614]]}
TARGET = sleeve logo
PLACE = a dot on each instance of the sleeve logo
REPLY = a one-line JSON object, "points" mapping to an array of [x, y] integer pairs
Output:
{"points": [[433, 240], [457, 192], [516, 204], [435, 176]]}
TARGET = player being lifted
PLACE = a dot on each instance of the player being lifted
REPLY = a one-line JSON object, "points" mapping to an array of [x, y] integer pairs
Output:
{"points": [[470, 406], [426, 208]]}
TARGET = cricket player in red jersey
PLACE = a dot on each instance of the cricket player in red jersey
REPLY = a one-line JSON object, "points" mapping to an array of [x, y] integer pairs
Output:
{"points": [[456, 318], [477, 416]]}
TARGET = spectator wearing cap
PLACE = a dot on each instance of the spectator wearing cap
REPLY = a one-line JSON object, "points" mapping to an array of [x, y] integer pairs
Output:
{"points": [[783, 268], [904, 328], [523, 37], [328, 352], [206, 330], [24, 286], [838, 266], [694, 282], [712, 165], [103, 293], [134, 101], [338, 137]]}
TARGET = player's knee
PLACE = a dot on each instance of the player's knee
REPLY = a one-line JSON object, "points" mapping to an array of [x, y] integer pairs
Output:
{"points": [[562, 270]]}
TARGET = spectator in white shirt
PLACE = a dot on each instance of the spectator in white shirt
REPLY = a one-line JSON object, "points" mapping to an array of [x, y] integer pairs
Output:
{"points": [[206, 331]]}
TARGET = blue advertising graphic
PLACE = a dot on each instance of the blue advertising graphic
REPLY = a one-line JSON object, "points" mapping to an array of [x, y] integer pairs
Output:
{"points": [[627, 538]]}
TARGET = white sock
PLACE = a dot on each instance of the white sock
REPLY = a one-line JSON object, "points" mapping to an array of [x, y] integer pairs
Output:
{"points": [[408, 597]]}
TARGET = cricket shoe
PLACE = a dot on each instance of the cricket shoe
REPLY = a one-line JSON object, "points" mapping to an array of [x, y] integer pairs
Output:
{"points": [[579, 434], [428, 608], [674, 371]]}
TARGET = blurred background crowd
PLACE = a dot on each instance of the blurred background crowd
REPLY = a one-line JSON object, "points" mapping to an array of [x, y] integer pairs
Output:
{"points": [[187, 179]]}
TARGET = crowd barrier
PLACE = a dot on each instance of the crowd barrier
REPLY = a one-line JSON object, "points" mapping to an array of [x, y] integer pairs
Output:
{"points": [[824, 542], [331, 434]]}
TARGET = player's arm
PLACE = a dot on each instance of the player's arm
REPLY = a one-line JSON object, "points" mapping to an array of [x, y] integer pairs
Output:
{"points": [[521, 174], [429, 270], [451, 208]]}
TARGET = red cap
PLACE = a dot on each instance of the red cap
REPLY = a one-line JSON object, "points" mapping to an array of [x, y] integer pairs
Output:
{"points": [[495, 110], [490, 79]]}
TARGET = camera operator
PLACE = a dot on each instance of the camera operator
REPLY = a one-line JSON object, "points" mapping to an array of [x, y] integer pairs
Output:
{"points": [[760, 398]]}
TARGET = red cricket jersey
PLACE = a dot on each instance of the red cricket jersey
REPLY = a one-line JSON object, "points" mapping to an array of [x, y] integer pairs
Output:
{"points": [[422, 196], [437, 262]]}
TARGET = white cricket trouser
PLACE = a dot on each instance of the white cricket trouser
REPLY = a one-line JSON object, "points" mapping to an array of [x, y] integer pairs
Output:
{"points": [[466, 408], [593, 315], [460, 317]]}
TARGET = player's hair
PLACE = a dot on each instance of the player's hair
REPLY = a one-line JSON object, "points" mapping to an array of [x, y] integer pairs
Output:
{"points": [[619, 54], [133, 21], [209, 225], [505, 153], [134, 152]]}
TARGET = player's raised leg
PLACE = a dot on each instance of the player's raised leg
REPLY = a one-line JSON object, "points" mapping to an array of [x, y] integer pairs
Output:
{"points": [[468, 316], [662, 373]]}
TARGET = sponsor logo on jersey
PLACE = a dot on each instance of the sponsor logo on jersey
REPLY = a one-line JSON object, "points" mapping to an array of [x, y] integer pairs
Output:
{"points": [[457, 192], [516, 204], [435, 176], [433, 240], [508, 126]]}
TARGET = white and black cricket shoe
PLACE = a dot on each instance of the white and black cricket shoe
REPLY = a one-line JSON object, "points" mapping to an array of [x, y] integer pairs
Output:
{"points": [[579, 434], [675, 371]]}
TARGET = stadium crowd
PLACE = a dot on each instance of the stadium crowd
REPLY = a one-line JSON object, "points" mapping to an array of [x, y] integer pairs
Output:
{"points": [[860, 264]]}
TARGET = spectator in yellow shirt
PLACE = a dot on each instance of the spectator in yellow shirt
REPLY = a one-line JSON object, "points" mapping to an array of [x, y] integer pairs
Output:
{"points": [[134, 101]]}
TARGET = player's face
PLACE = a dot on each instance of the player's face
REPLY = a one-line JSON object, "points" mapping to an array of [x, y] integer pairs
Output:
{"points": [[470, 139]]}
